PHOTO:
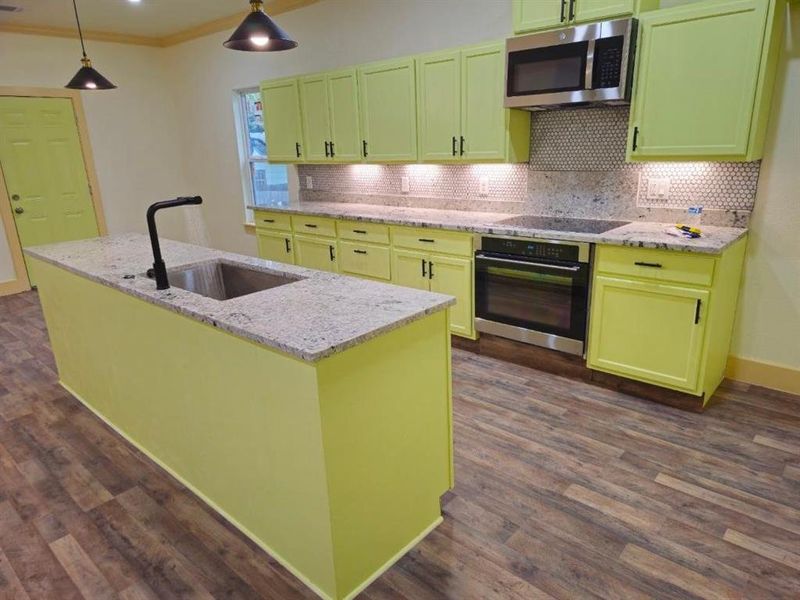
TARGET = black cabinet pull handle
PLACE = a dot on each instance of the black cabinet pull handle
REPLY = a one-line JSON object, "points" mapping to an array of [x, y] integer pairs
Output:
{"points": [[297, 149], [364, 147], [648, 264], [360, 251], [563, 7], [361, 231], [697, 311], [635, 138], [327, 153], [310, 225], [268, 220], [462, 145], [430, 269], [455, 141], [571, 9], [427, 241], [424, 272], [332, 152], [333, 256], [288, 245]]}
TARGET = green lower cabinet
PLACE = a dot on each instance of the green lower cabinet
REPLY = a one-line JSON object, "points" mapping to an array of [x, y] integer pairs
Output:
{"points": [[648, 331], [365, 260], [275, 246], [410, 269], [704, 79], [315, 252]]}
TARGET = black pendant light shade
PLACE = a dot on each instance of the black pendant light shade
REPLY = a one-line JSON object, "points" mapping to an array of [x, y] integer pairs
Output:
{"points": [[259, 33], [87, 77]]}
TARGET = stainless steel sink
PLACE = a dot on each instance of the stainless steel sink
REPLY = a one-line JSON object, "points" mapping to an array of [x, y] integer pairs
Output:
{"points": [[223, 281]]}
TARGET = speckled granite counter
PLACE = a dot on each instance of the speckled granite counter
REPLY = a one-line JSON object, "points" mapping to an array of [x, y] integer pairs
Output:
{"points": [[637, 234], [314, 317]]}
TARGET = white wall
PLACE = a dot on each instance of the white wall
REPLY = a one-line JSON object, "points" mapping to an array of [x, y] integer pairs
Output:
{"points": [[133, 129]]}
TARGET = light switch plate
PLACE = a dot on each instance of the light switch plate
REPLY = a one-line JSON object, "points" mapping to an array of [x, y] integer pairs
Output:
{"points": [[309, 183], [658, 188], [483, 186], [405, 185]]}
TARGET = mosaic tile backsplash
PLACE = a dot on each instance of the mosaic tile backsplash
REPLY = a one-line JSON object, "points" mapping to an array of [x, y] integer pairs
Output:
{"points": [[577, 168]]}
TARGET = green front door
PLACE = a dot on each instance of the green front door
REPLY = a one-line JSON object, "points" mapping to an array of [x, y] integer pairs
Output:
{"points": [[439, 106], [316, 123], [343, 102], [46, 180], [282, 121], [483, 118]]}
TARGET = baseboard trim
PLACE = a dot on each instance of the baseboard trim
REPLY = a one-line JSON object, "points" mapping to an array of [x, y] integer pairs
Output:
{"points": [[16, 286], [764, 374]]}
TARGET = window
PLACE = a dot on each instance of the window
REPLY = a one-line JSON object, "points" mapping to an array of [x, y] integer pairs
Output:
{"points": [[264, 184]]}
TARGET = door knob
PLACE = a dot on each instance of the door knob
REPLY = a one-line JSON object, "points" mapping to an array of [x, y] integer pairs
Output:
{"points": [[19, 210], [15, 197]]}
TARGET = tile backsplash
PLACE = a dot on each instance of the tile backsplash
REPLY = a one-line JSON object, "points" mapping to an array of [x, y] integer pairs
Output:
{"points": [[577, 168]]}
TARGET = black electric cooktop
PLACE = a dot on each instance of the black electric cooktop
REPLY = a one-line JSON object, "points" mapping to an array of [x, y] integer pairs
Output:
{"points": [[563, 224]]}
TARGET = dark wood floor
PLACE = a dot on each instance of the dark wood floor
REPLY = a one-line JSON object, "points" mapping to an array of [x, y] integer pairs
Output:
{"points": [[563, 490]]}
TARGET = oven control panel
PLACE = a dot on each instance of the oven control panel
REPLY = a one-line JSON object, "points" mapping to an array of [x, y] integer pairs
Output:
{"points": [[541, 250]]}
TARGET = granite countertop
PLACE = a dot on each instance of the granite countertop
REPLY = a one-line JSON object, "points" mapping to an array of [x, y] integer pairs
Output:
{"points": [[316, 316], [640, 234]]}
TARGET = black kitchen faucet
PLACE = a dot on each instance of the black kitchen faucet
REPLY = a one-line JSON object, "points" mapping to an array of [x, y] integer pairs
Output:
{"points": [[159, 268]]}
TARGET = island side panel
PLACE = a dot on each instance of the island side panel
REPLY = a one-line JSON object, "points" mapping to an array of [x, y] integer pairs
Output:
{"points": [[387, 418], [237, 422]]}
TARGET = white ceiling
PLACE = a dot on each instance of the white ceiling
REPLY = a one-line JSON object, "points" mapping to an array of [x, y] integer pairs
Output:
{"points": [[153, 18]]}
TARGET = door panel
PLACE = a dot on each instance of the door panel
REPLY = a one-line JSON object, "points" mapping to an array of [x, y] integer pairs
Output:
{"points": [[483, 117], [316, 124], [282, 120], [598, 10], [389, 110], [410, 269], [345, 130], [316, 253], [42, 161], [275, 246], [531, 15], [453, 276], [439, 106], [696, 83], [647, 331]]}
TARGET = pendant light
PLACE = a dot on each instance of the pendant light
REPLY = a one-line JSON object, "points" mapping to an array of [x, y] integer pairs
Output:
{"points": [[87, 78], [259, 33]]}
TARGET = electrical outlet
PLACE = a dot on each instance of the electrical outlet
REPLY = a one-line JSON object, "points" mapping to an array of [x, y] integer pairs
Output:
{"points": [[483, 186], [405, 185], [658, 188], [309, 183]]}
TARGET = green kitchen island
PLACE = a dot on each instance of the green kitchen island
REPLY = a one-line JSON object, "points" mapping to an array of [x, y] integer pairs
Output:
{"points": [[314, 415]]}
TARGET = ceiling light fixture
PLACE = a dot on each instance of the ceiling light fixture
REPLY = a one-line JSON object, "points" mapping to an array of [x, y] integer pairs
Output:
{"points": [[259, 33], [87, 78]]}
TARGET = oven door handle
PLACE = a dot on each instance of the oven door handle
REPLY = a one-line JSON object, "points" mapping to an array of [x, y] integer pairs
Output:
{"points": [[528, 263]]}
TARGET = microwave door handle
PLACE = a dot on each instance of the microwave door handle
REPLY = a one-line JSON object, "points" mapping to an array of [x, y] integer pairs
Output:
{"points": [[589, 75], [529, 263]]}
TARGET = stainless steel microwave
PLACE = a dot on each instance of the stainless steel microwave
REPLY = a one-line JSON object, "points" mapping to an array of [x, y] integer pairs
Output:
{"points": [[587, 64]]}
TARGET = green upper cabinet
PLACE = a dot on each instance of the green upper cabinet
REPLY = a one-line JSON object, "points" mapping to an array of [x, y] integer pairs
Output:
{"points": [[282, 120], [344, 114], [388, 111], [460, 108], [704, 78], [439, 106], [316, 120], [535, 15]]}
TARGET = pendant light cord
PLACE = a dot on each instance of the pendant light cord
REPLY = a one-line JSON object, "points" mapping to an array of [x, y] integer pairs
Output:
{"points": [[78, 21]]}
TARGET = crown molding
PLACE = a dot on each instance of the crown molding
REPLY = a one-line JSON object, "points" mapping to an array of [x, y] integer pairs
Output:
{"points": [[275, 7]]}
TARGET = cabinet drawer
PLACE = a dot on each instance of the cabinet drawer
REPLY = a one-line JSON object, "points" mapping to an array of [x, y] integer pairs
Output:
{"points": [[661, 265], [363, 232], [272, 220], [432, 240], [314, 225], [367, 260]]}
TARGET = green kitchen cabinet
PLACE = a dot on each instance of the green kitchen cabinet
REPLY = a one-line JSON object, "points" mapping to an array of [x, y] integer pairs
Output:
{"points": [[439, 106], [275, 245], [704, 78], [344, 116], [283, 120], [454, 276], [388, 105], [316, 119], [410, 269], [316, 252], [535, 15]]}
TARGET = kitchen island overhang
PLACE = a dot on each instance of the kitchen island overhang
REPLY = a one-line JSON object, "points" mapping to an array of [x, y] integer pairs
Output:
{"points": [[333, 462]]}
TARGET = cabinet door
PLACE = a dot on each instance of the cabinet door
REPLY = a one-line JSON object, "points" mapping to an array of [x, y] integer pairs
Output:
{"points": [[648, 331], [282, 121], [389, 111], [697, 77], [439, 106], [597, 10], [530, 15], [275, 246], [343, 102], [316, 124], [316, 253], [483, 118], [410, 269], [454, 276]]}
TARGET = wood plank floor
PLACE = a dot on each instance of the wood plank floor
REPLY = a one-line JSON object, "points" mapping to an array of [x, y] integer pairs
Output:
{"points": [[564, 490]]}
